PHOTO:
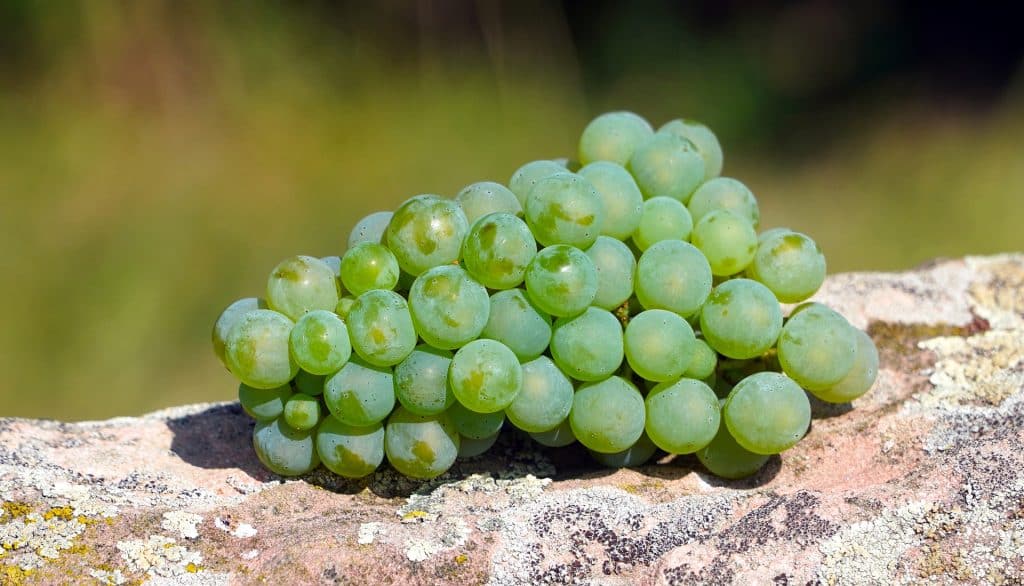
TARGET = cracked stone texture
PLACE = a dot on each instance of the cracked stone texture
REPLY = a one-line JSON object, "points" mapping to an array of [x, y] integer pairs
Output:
{"points": [[921, 482]]}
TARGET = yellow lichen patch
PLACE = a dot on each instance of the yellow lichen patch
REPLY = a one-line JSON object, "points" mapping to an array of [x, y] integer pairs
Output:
{"points": [[412, 515], [66, 513], [16, 509], [14, 575], [86, 520], [192, 568], [461, 559]]}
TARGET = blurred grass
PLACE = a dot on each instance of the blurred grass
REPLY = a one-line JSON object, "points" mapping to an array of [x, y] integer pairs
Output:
{"points": [[148, 181]]}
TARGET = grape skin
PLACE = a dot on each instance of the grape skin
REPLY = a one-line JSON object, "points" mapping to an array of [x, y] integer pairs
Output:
{"points": [[673, 275], [283, 450], [607, 416], [516, 321], [485, 376], [420, 446], [561, 280], [659, 345], [767, 413], [257, 349], [861, 376], [426, 231], [564, 208], [319, 342], [741, 319], [360, 394], [544, 399], [682, 415], [620, 197], [588, 346], [227, 319], [703, 138], [614, 137], [817, 347], [724, 193], [349, 451], [300, 284], [448, 307], [486, 197], [421, 381]]}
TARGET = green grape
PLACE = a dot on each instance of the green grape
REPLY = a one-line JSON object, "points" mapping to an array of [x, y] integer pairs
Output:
{"points": [[682, 415], [767, 413], [448, 307], [771, 234], [319, 342], [256, 349], [861, 376], [263, 404], [615, 266], [613, 137], [283, 450], [703, 363], [517, 323], [300, 284], [673, 275], [667, 165], [469, 447], [727, 240], [420, 446], [636, 455], [790, 264], [724, 193], [659, 345], [421, 381], [308, 383], [702, 138], [334, 262], [559, 437], [561, 280], [498, 249], [302, 412], [588, 347], [725, 458], [485, 376], [486, 197], [741, 319], [475, 425], [621, 198], [350, 451], [664, 218], [527, 176], [227, 319], [344, 306], [380, 327], [367, 266], [545, 398], [426, 231], [818, 347], [564, 208], [360, 394], [370, 229], [607, 416]]}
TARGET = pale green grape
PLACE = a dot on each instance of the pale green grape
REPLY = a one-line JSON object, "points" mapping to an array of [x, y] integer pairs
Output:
{"points": [[673, 275], [527, 176], [664, 218], [588, 346], [726, 240], [621, 198], [486, 197], [613, 136], [724, 193], [607, 416], [350, 451], [517, 323], [682, 415], [659, 345], [485, 376], [561, 280], [559, 437], [861, 376], [227, 319], [790, 264], [421, 381], [380, 327], [498, 249], [475, 425], [283, 450], [615, 266], [319, 342], [360, 394], [564, 208], [818, 347], [334, 262], [426, 231], [308, 383], [302, 412], [545, 398], [369, 229], [263, 404], [367, 266], [469, 447], [771, 234], [741, 319], [767, 413], [667, 165], [420, 446], [725, 458], [448, 307], [635, 455], [257, 352], [701, 136], [703, 363], [300, 284]]}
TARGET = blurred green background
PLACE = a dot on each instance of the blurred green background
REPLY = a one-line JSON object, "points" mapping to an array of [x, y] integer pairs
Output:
{"points": [[158, 158]]}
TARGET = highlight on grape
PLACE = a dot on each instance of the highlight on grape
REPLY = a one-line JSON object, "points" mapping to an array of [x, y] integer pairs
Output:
{"points": [[624, 300]]}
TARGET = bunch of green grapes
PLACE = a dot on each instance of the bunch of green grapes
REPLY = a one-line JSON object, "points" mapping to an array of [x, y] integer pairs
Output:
{"points": [[625, 301]]}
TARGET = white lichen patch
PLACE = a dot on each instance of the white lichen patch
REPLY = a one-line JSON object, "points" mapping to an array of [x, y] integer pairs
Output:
{"points": [[240, 530], [368, 532], [182, 523], [35, 538], [868, 553], [115, 578], [984, 369], [453, 534], [159, 556]]}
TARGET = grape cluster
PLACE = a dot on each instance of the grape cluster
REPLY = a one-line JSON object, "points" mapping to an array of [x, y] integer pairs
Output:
{"points": [[625, 301]]}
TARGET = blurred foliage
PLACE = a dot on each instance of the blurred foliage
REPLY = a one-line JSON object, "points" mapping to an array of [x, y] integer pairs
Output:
{"points": [[158, 158]]}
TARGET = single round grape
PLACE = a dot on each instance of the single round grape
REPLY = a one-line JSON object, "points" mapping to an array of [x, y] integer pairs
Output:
{"points": [[257, 349], [620, 197], [360, 394], [561, 280], [817, 347], [227, 319], [426, 231], [485, 376], [380, 327], [860, 378], [302, 412], [545, 398], [741, 319], [283, 450], [659, 345], [673, 275], [703, 363], [664, 218], [475, 425], [498, 249], [767, 413], [559, 437], [319, 342], [369, 229], [263, 404], [368, 266], [350, 451], [607, 416], [308, 383], [516, 322], [615, 266], [421, 446], [667, 165], [790, 264], [421, 381], [701, 136], [527, 176], [682, 415], [469, 447], [564, 208], [300, 284], [635, 455], [588, 346], [727, 240], [724, 193], [448, 307], [486, 197], [613, 136], [725, 458]]}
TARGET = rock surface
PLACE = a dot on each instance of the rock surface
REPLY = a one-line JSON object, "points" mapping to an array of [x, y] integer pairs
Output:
{"points": [[921, 482]]}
